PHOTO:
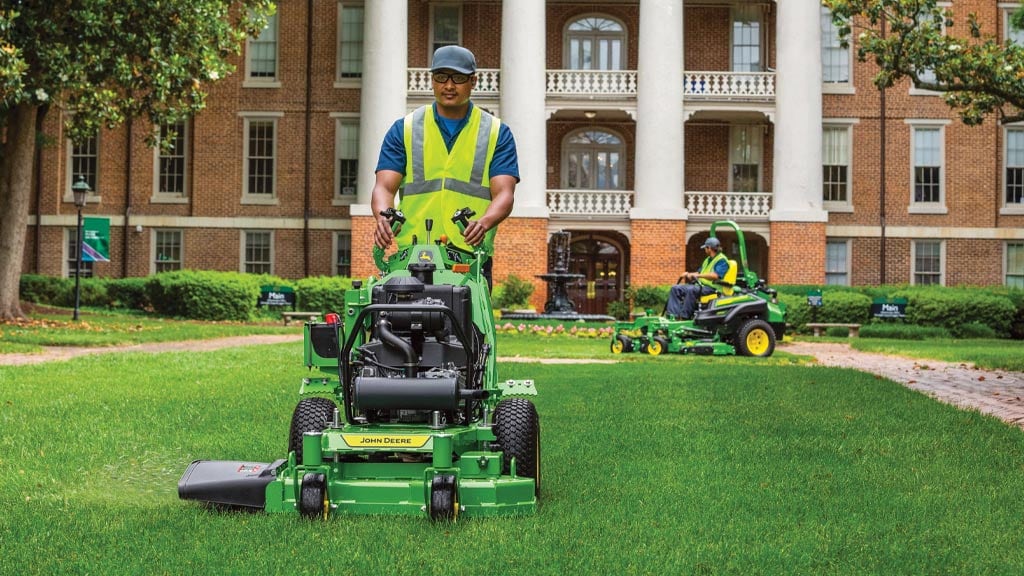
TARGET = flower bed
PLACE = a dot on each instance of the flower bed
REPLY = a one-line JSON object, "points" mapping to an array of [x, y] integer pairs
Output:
{"points": [[557, 330]]}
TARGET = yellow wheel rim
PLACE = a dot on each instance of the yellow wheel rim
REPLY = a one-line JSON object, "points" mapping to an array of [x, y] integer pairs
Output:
{"points": [[654, 348], [617, 347], [757, 342]]}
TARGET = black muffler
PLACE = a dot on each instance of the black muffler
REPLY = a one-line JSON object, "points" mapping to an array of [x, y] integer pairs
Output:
{"points": [[228, 482]]}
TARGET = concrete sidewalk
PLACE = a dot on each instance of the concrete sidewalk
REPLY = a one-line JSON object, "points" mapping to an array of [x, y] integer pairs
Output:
{"points": [[994, 392]]}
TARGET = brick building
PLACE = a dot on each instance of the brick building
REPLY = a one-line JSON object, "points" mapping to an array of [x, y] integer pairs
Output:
{"points": [[638, 124]]}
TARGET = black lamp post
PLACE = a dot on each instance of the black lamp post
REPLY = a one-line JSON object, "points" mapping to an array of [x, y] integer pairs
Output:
{"points": [[80, 189]]}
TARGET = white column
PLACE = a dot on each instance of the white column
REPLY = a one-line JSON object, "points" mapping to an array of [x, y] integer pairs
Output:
{"points": [[523, 93], [384, 86], [798, 180], [658, 190]]}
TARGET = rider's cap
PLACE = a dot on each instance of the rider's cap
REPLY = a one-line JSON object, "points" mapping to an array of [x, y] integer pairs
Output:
{"points": [[453, 58], [711, 242]]}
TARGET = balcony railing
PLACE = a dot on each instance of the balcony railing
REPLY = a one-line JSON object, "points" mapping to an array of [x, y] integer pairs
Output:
{"points": [[614, 203], [621, 84], [729, 204]]}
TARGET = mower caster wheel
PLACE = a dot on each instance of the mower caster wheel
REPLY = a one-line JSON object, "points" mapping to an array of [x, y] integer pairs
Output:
{"points": [[444, 499], [658, 346], [622, 344], [313, 501]]}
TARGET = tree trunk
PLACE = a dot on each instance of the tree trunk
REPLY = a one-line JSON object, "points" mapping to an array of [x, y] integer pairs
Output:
{"points": [[16, 168]]}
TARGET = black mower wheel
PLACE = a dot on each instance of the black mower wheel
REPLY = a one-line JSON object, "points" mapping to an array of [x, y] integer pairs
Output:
{"points": [[658, 346], [755, 338], [622, 344], [313, 501], [444, 499], [517, 428], [310, 415]]}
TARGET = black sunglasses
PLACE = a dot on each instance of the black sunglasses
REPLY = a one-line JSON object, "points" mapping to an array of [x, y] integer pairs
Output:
{"points": [[442, 77]]}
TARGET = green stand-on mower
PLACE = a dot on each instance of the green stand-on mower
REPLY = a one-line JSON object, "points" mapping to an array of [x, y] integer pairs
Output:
{"points": [[744, 317], [408, 416]]}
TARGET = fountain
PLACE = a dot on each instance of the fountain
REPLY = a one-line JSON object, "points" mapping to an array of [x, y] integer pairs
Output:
{"points": [[558, 306]]}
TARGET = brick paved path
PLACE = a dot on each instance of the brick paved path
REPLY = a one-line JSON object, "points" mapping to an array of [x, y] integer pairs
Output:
{"points": [[995, 392]]}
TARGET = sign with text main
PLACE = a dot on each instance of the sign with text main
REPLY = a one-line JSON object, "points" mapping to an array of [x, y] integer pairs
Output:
{"points": [[96, 240], [889, 308], [276, 296]]}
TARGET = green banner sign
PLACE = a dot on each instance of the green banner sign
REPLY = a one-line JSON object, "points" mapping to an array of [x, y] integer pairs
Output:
{"points": [[96, 240]]}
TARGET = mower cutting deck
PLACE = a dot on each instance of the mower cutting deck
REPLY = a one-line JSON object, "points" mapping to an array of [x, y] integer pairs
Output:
{"points": [[409, 416]]}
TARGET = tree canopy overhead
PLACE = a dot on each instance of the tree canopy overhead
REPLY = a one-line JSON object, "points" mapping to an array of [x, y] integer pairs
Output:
{"points": [[107, 61], [938, 49]]}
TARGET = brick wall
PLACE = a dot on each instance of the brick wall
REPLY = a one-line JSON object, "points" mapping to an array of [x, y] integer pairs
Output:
{"points": [[656, 255], [797, 253], [520, 248]]}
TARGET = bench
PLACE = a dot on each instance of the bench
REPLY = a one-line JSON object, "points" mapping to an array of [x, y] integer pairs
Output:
{"points": [[289, 316], [821, 327]]}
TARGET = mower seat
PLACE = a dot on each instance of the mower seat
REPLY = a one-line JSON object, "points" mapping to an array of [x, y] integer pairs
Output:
{"points": [[724, 287]]}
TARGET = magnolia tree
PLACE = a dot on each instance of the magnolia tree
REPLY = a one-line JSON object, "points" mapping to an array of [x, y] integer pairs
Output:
{"points": [[938, 49], [107, 62]]}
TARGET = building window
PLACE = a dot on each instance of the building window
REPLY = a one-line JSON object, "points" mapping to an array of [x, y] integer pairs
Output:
{"points": [[1014, 167], [346, 147], [927, 178], [262, 53], [446, 25], [595, 43], [172, 159], [746, 38], [350, 41], [924, 20], [837, 262], [593, 160], [745, 145], [258, 254], [835, 60], [1015, 264], [343, 254], [927, 256], [1013, 34], [835, 153], [166, 250], [85, 162], [72, 252], [260, 150]]}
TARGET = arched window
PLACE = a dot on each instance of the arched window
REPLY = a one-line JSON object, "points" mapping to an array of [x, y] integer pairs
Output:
{"points": [[595, 43], [593, 160]]}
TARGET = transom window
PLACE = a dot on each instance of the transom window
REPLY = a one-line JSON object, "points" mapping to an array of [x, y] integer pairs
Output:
{"points": [[1014, 167], [835, 60], [746, 39], [350, 41], [927, 260], [594, 161], [595, 43], [257, 253], [837, 262], [835, 153], [263, 52], [167, 250]]}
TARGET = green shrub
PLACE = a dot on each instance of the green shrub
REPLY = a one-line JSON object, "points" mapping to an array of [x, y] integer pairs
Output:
{"points": [[837, 332], [976, 330], [620, 310], [46, 289], [129, 293], [838, 306], [900, 331], [648, 297], [204, 294], [513, 293], [322, 293], [952, 308]]}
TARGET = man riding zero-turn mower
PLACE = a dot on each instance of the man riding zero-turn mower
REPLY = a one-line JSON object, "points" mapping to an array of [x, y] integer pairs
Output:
{"points": [[743, 317], [410, 417]]}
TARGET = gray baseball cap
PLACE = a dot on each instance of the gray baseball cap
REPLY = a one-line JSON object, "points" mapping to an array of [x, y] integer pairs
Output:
{"points": [[453, 58], [712, 242]]}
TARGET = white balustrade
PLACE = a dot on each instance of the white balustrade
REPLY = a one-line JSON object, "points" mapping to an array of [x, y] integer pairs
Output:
{"points": [[718, 85], [590, 202], [487, 81], [592, 82], [729, 204]]}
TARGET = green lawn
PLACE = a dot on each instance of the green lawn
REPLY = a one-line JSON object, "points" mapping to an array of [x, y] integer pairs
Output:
{"points": [[669, 465]]}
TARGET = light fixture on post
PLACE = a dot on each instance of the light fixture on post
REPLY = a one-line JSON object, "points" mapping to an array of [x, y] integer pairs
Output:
{"points": [[590, 114], [80, 190]]}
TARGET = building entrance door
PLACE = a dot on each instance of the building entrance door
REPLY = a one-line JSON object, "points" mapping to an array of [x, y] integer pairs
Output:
{"points": [[601, 262]]}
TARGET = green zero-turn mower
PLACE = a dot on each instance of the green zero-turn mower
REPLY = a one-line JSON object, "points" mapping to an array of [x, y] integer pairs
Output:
{"points": [[743, 317], [407, 415]]}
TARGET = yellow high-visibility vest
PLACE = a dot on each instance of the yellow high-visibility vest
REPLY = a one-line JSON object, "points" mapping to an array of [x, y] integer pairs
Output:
{"points": [[709, 266], [438, 182]]}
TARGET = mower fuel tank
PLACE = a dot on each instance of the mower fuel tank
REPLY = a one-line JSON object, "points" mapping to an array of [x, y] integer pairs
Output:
{"points": [[228, 482]]}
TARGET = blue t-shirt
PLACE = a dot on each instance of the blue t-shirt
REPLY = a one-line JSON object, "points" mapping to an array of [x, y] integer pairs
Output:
{"points": [[722, 268], [392, 151]]}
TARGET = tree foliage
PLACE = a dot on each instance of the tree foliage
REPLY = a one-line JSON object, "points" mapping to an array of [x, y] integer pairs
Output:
{"points": [[938, 49], [105, 61]]}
